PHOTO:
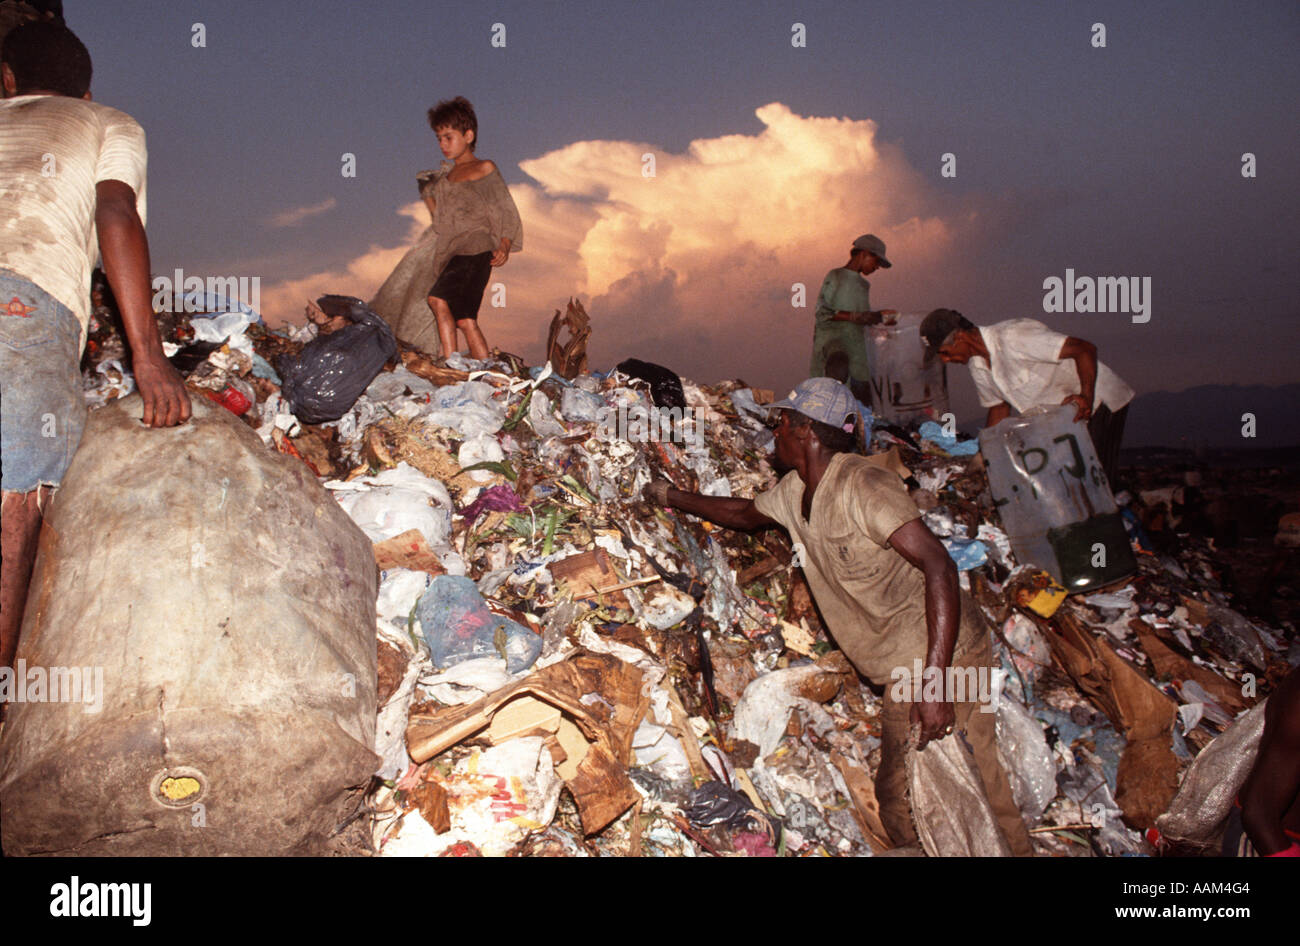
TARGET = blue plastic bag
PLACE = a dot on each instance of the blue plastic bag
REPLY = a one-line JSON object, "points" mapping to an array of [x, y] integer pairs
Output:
{"points": [[458, 626]]}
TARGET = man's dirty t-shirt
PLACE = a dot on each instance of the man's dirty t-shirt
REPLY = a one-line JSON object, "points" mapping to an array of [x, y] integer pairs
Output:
{"points": [[872, 598], [55, 150]]}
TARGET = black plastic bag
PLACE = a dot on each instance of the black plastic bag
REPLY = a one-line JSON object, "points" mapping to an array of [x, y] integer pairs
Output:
{"points": [[665, 387], [324, 380], [715, 803]]}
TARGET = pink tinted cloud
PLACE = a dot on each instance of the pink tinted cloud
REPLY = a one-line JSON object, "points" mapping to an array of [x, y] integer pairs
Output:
{"points": [[694, 266]]}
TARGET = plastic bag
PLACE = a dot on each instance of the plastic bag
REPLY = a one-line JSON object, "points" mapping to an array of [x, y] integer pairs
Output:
{"points": [[764, 707], [665, 386], [469, 408], [389, 503], [578, 405], [324, 380], [1023, 754], [482, 448], [540, 416], [458, 626]]}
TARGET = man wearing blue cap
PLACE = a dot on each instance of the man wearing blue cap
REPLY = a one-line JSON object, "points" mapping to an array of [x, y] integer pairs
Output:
{"points": [[843, 308], [885, 585]]}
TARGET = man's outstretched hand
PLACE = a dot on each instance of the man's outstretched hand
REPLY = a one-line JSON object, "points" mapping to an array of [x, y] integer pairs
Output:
{"points": [[656, 491], [166, 402]]}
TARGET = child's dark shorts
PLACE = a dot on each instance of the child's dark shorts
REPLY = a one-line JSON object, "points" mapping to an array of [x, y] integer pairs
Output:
{"points": [[461, 284]]}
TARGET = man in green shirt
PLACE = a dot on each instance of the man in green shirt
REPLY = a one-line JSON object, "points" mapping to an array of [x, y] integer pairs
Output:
{"points": [[843, 308]]}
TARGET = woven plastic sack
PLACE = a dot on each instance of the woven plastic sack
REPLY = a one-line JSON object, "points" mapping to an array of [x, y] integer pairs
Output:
{"points": [[223, 607], [949, 808], [1204, 799]]}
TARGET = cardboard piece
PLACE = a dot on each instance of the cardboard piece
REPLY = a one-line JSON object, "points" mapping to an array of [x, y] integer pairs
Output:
{"points": [[570, 358], [408, 550], [522, 716], [1135, 707], [1165, 660], [1147, 781], [1148, 771], [866, 810], [424, 366], [890, 460], [681, 729], [575, 747], [597, 693], [431, 799], [590, 574]]}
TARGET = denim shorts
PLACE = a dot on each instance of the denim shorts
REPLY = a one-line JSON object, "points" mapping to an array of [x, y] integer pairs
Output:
{"points": [[42, 408]]}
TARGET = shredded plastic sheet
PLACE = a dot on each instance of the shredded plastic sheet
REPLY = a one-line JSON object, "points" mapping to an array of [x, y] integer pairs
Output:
{"points": [[390, 731], [389, 503], [935, 434], [1028, 762], [764, 709], [458, 626]]}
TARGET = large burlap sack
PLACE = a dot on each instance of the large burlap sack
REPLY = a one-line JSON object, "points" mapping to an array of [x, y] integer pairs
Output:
{"points": [[228, 607], [403, 299]]}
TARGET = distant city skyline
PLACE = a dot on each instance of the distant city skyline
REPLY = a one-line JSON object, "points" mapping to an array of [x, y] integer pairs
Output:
{"points": [[993, 149]]}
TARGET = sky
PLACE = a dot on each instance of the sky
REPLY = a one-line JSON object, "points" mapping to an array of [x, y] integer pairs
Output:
{"points": [[779, 132]]}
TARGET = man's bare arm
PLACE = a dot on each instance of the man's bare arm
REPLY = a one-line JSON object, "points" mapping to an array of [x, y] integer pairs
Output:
{"points": [[918, 545], [739, 514], [1272, 787], [1084, 355], [125, 250], [869, 317], [997, 414]]}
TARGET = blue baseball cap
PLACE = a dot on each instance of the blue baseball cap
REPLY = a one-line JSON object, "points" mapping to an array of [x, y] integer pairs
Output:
{"points": [[823, 399]]}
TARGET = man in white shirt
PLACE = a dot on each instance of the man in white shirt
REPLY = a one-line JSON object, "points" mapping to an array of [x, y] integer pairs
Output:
{"points": [[1021, 363], [72, 180]]}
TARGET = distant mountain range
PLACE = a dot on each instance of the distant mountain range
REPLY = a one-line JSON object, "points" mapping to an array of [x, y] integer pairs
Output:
{"points": [[1210, 416]]}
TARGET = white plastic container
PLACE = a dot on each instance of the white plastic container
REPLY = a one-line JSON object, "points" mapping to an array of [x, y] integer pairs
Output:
{"points": [[1052, 495], [902, 387]]}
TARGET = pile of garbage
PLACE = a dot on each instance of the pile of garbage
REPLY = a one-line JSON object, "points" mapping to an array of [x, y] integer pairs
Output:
{"points": [[566, 670]]}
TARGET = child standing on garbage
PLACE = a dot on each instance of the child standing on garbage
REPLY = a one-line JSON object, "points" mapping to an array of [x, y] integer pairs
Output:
{"points": [[477, 226]]}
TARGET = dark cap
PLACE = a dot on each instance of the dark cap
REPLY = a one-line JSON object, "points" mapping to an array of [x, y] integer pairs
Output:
{"points": [[874, 245], [936, 328]]}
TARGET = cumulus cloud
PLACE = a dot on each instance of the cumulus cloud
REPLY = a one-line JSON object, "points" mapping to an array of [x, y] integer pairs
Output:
{"points": [[694, 267], [291, 218]]}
